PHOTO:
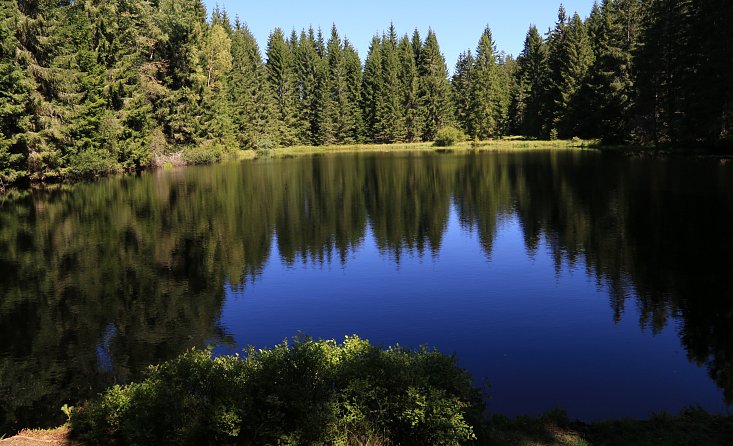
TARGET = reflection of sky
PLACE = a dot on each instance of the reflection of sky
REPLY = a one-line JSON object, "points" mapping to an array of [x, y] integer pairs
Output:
{"points": [[541, 339], [104, 355]]}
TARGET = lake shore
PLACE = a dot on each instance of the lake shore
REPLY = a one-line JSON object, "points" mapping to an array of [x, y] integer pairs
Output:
{"points": [[552, 429], [507, 144]]}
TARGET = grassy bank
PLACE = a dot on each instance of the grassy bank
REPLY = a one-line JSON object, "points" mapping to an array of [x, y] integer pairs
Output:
{"points": [[507, 144], [353, 393]]}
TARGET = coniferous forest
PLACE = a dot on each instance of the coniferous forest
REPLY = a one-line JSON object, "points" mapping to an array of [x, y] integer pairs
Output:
{"points": [[96, 86]]}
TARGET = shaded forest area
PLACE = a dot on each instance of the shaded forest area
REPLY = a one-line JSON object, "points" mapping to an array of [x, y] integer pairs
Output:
{"points": [[96, 86]]}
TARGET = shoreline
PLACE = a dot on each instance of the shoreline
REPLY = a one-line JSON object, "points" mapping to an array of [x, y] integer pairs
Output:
{"points": [[554, 428], [509, 144]]}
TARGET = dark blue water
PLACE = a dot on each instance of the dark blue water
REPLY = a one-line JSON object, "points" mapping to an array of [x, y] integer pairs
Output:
{"points": [[541, 337], [593, 282]]}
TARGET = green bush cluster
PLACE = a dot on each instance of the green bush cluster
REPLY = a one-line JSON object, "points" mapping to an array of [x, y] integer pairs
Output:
{"points": [[310, 392], [447, 136]]}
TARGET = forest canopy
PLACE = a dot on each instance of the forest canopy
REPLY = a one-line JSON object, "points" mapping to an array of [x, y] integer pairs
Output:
{"points": [[89, 87]]}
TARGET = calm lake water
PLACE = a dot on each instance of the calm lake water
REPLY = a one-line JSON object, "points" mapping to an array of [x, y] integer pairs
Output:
{"points": [[594, 282]]}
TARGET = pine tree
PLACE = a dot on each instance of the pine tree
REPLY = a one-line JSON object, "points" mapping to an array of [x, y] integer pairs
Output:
{"points": [[710, 84], [372, 88], [280, 81], [663, 67], [15, 89], [307, 67], [485, 86], [219, 127], [354, 128], [183, 23], [434, 94], [389, 123], [532, 73], [251, 105], [503, 92], [578, 55], [409, 82], [609, 99], [570, 58], [336, 114], [461, 91], [556, 58]]}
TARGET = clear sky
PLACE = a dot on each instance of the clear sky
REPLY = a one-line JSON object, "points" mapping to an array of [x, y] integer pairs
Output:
{"points": [[458, 23]]}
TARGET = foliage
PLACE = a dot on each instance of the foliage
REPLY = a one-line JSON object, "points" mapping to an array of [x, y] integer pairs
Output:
{"points": [[310, 392], [447, 136]]}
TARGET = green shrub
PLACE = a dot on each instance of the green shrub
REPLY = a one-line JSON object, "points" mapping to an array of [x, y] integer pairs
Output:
{"points": [[91, 163], [311, 392], [207, 152], [447, 136]]}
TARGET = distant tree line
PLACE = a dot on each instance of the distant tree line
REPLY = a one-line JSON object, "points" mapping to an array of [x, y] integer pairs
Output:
{"points": [[94, 86]]}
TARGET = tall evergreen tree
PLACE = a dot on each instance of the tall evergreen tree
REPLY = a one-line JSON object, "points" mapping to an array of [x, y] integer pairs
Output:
{"points": [[485, 87], [281, 84], [389, 123], [354, 129], [663, 68], [15, 89], [335, 109], [578, 54], [372, 88], [532, 73], [504, 91], [610, 96], [570, 58], [435, 110], [409, 83], [251, 105], [461, 91], [183, 23], [308, 70], [219, 127]]}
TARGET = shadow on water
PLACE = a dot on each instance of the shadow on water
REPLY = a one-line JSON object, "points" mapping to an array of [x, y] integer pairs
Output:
{"points": [[99, 280]]}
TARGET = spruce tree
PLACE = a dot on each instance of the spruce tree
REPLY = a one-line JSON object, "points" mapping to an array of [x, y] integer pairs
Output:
{"points": [[183, 23], [336, 113], [435, 111], [218, 111], [13, 100], [503, 92], [354, 128], [409, 82], [307, 67], [556, 58], [570, 58], [251, 105], [462, 91], [485, 87], [532, 74], [281, 86], [389, 123], [578, 55], [372, 88], [610, 97]]}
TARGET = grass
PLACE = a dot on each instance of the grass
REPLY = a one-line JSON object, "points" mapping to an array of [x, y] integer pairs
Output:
{"points": [[506, 144]]}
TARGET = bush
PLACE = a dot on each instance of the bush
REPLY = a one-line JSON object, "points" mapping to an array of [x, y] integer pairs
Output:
{"points": [[91, 163], [208, 152], [313, 392], [447, 136]]}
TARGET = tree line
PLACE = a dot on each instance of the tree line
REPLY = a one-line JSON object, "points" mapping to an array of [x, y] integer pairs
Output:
{"points": [[95, 86]]}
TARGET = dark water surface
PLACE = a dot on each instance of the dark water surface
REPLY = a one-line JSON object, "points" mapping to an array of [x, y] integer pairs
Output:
{"points": [[594, 282]]}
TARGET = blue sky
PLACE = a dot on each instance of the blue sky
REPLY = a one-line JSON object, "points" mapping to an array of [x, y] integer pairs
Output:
{"points": [[458, 23]]}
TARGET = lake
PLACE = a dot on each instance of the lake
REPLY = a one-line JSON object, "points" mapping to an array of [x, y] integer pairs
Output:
{"points": [[595, 282]]}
